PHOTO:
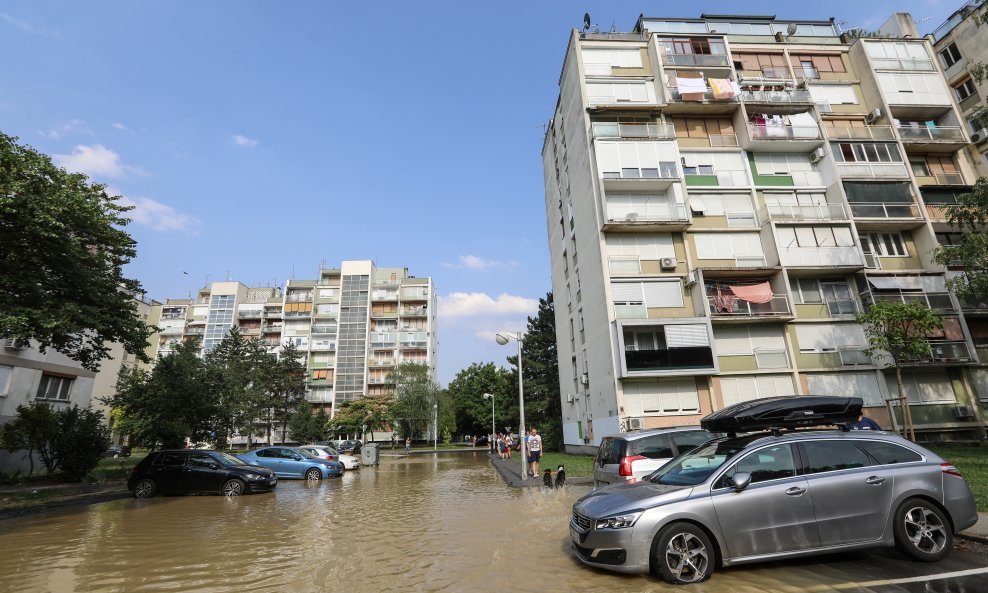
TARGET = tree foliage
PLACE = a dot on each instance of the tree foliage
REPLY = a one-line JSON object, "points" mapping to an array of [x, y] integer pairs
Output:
{"points": [[970, 217], [471, 411], [304, 426], [62, 255], [363, 414], [69, 440], [241, 374], [543, 406], [415, 394], [288, 384]]}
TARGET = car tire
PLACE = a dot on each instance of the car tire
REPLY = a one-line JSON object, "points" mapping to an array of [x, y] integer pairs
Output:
{"points": [[313, 473], [922, 531], [233, 487], [682, 554], [145, 488]]}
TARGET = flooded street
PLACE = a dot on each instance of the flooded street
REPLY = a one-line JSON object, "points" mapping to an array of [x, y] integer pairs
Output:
{"points": [[445, 523]]}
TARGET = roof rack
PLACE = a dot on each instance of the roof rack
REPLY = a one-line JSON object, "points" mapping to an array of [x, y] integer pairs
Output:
{"points": [[784, 413]]}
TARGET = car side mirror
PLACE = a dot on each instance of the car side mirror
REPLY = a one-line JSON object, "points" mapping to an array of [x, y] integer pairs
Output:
{"points": [[739, 481]]}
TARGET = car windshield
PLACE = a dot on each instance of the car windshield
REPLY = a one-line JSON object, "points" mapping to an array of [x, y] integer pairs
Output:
{"points": [[227, 459], [694, 467]]}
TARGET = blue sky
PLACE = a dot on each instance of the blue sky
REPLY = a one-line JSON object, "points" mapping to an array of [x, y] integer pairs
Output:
{"points": [[258, 138]]}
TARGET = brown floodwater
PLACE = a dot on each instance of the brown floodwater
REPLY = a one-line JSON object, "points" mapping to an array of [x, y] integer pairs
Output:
{"points": [[423, 524]]}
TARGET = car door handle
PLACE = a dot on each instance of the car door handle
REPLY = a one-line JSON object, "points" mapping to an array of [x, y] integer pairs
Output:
{"points": [[875, 480], [795, 491]]}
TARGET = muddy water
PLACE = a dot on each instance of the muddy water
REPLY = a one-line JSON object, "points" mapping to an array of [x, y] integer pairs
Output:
{"points": [[424, 524]]}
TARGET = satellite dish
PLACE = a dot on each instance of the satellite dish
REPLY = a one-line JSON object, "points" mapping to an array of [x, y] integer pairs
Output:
{"points": [[586, 21], [791, 30]]}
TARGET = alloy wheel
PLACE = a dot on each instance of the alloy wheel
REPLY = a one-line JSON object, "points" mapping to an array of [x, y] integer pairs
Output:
{"points": [[925, 530], [687, 558]]}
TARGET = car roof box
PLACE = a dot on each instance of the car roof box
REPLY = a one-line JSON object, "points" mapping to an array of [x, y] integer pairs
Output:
{"points": [[784, 413]]}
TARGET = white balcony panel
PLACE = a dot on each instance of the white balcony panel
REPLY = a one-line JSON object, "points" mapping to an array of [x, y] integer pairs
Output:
{"points": [[914, 88], [615, 92], [881, 170], [820, 256]]}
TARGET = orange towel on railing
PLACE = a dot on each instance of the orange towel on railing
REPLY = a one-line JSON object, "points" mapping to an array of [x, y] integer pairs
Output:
{"points": [[722, 88], [755, 293]]}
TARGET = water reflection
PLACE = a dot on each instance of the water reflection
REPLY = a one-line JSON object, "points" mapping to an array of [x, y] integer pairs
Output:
{"points": [[443, 523]]}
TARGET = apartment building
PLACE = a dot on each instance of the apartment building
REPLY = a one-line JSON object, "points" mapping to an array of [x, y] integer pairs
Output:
{"points": [[724, 194], [354, 324], [960, 43]]}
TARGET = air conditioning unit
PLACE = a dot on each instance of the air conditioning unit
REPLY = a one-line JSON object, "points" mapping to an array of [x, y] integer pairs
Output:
{"points": [[979, 136], [691, 278], [873, 116], [667, 263], [635, 423], [570, 398], [817, 155], [963, 412], [16, 343], [585, 379]]}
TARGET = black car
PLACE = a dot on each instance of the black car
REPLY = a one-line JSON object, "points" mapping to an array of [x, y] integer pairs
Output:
{"points": [[117, 451], [183, 471]]}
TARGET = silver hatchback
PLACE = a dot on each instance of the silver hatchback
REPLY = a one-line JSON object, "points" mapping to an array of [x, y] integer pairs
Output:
{"points": [[630, 456], [767, 496]]}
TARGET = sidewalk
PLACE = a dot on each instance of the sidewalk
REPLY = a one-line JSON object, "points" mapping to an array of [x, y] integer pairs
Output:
{"points": [[510, 470], [977, 532]]}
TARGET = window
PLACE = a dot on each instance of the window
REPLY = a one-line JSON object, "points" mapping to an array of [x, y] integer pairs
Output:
{"points": [[919, 166], [699, 170], [885, 244], [888, 453], [654, 447], [686, 441], [5, 372], [55, 387], [830, 456], [923, 388], [829, 337], [863, 385], [769, 463], [173, 459], [964, 89], [815, 236], [201, 460], [950, 55], [697, 127], [866, 152], [816, 64], [661, 397]]}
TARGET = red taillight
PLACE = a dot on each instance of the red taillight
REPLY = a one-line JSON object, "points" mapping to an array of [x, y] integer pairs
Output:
{"points": [[950, 469], [625, 468], [329, 457]]}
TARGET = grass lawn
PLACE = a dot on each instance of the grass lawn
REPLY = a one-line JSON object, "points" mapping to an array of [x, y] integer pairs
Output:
{"points": [[576, 465], [973, 463]]}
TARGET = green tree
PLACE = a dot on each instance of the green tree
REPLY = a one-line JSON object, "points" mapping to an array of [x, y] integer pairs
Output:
{"points": [[34, 430], [62, 256], [171, 402], [543, 406], [970, 217], [899, 333], [241, 374], [471, 411], [288, 385], [306, 426], [415, 393], [364, 414], [81, 440]]}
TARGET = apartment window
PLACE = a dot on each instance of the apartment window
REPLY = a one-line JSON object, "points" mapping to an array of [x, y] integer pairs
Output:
{"points": [[55, 387], [773, 63], [919, 167], [808, 70], [885, 244], [950, 55], [864, 192], [702, 127], [867, 152], [964, 89], [815, 236], [815, 64], [699, 170]]}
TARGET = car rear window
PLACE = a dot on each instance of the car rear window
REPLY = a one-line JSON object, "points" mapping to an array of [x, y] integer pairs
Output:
{"points": [[887, 453], [687, 441], [828, 456], [653, 447], [611, 450]]}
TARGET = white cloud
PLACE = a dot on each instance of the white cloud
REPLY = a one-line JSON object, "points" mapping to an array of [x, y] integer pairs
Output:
{"points": [[473, 262], [24, 25], [477, 304], [118, 126], [154, 214], [75, 125], [92, 160], [241, 140]]}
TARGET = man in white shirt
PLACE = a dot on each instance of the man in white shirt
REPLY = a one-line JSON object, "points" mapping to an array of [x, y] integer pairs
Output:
{"points": [[533, 446]]}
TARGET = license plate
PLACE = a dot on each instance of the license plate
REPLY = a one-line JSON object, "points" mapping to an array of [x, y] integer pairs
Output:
{"points": [[574, 535]]}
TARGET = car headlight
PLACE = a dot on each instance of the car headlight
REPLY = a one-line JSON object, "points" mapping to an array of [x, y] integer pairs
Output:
{"points": [[252, 476], [617, 521]]}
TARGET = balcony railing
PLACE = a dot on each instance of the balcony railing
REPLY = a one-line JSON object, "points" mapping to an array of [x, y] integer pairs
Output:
{"points": [[249, 314], [940, 179], [696, 60], [272, 312], [783, 97], [804, 212], [902, 64], [750, 261], [381, 362], [195, 331], [725, 307], [322, 346], [173, 315], [885, 210], [872, 169], [699, 357], [646, 212], [842, 307], [611, 130], [783, 132], [414, 344], [324, 329], [171, 331], [272, 328], [299, 297], [298, 314], [947, 351], [860, 133], [938, 301], [854, 356], [931, 134], [676, 97], [821, 256], [414, 312], [384, 296]]}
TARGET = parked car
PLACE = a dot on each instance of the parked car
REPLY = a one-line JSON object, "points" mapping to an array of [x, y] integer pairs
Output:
{"points": [[290, 462], [349, 445], [183, 471], [771, 495], [630, 456], [117, 451], [327, 452]]}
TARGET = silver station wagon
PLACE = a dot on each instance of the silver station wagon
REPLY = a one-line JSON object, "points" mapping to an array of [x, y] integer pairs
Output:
{"points": [[777, 494]]}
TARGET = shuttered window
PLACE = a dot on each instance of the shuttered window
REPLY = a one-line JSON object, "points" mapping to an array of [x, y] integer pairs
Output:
{"points": [[654, 293], [642, 398], [687, 335], [835, 94], [863, 385], [739, 389], [828, 337], [744, 340]]}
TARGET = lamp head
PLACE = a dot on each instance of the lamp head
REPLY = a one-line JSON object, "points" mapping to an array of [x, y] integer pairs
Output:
{"points": [[487, 396], [501, 338]]}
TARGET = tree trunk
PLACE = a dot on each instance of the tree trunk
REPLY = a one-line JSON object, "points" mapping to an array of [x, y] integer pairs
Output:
{"points": [[284, 419], [907, 417]]}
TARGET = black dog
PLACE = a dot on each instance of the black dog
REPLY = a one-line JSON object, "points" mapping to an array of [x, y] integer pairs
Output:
{"points": [[560, 477], [547, 479]]}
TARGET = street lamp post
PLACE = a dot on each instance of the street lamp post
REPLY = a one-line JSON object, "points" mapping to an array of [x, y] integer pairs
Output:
{"points": [[435, 426], [491, 444], [502, 338]]}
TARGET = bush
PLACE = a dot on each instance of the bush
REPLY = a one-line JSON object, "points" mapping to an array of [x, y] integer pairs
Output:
{"points": [[70, 440]]}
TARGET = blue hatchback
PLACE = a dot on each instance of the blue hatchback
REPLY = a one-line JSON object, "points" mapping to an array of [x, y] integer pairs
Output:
{"points": [[289, 462]]}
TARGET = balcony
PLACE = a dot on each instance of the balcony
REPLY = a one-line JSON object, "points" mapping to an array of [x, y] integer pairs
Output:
{"points": [[670, 359], [872, 170], [948, 137], [706, 103], [324, 329], [250, 331], [860, 133], [946, 352], [938, 301], [909, 64], [632, 213], [940, 179], [322, 346], [414, 312], [791, 212], [270, 328], [634, 131], [256, 314], [773, 97], [729, 307], [835, 257], [854, 356], [707, 60], [641, 179], [782, 138]]}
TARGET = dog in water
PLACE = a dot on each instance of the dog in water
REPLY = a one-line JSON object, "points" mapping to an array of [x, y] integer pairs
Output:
{"points": [[560, 477], [547, 478]]}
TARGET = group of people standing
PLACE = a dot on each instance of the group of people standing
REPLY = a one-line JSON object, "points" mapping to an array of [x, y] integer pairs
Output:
{"points": [[503, 443]]}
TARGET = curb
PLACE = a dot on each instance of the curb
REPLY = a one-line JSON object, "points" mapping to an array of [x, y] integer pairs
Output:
{"points": [[60, 504], [974, 537]]}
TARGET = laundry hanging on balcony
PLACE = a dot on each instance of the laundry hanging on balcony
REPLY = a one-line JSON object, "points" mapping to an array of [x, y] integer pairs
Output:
{"points": [[691, 88], [724, 88], [754, 293], [722, 303], [803, 126]]}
